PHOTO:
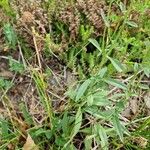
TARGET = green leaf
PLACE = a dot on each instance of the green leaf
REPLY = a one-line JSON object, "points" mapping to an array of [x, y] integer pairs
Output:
{"points": [[82, 89], [100, 99], [4, 129], [94, 111], [102, 72], [116, 83], [146, 71], [118, 66], [10, 35], [132, 24], [90, 100], [26, 114], [88, 142], [78, 122], [5, 84], [103, 137], [65, 123], [105, 18], [15, 66], [117, 126], [71, 93], [96, 44], [122, 7]]}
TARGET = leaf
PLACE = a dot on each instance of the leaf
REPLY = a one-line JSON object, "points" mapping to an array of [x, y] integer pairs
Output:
{"points": [[16, 66], [96, 44], [118, 66], [26, 114], [103, 137], [146, 71], [117, 126], [122, 7], [102, 72], [132, 24], [90, 100], [6, 84], [81, 90], [4, 129], [30, 145], [101, 101], [71, 93], [5, 5], [10, 35], [65, 123], [94, 111], [88, 141], [105, 18], [78, 122], [116, 83]]}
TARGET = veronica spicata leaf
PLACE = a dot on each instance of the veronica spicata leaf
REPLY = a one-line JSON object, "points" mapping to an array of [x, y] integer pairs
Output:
{"points": [[118, 66], [116, 83], [118, 126], [96, 44], [81, 90]]}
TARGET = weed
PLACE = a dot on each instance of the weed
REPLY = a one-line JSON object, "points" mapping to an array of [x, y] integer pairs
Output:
{"points": [[106, 47]]}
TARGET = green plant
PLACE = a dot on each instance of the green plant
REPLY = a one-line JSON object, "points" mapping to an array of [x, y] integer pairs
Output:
{"points": [[104, 45], [5, 84], [10, 35], [15, 66]]}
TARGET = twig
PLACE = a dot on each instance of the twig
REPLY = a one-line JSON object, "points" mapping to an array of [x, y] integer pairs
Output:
{"points": [[23, 60], [37, 50]]}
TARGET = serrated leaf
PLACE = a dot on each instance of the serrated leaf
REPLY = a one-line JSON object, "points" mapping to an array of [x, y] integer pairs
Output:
{"points": [[82, 89], [96, 44], [116, 83], [118, 66], [117, 126]]}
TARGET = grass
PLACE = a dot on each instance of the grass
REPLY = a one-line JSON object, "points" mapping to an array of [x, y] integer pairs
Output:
{"points": [[68, 84]]}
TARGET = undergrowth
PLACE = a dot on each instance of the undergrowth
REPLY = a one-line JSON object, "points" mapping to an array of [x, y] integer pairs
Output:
{"points": [[75, 75]]}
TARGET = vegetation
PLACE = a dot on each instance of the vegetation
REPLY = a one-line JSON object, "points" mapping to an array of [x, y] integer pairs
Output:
{"points": [[74, 74]]}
